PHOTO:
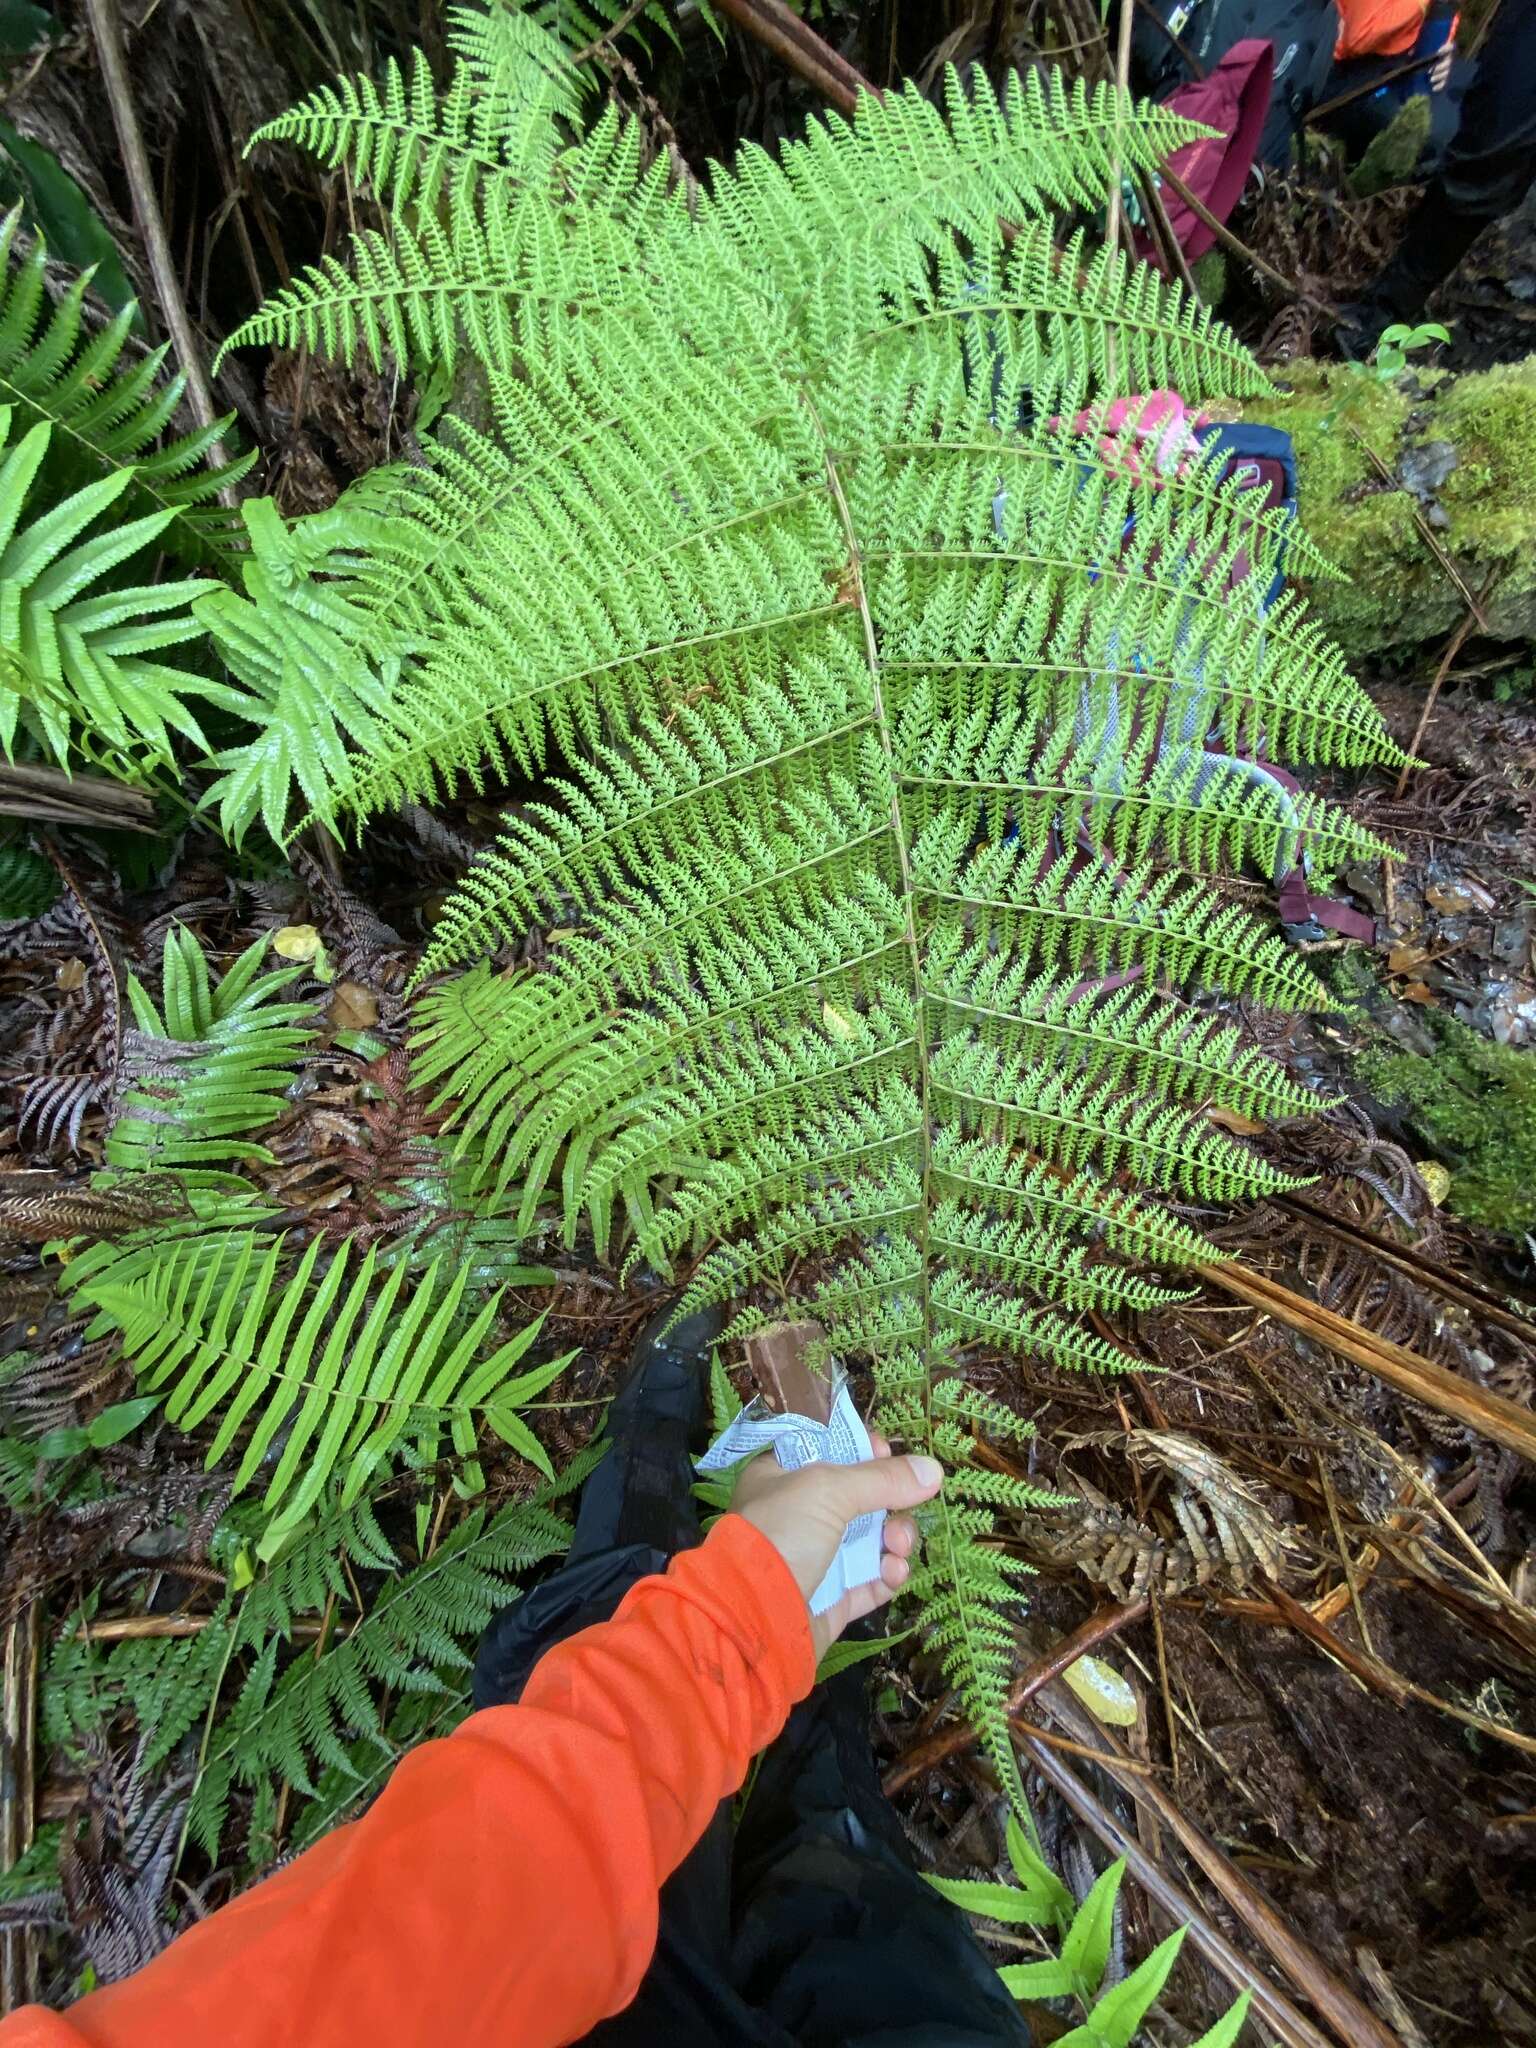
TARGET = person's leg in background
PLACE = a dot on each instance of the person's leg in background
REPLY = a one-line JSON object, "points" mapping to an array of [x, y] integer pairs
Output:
{"points": [[812, 1925], [1488, 169]]}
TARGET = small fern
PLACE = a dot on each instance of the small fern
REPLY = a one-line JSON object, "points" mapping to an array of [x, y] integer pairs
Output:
{"points": [[79, 677], [318, 1711], [334, 1364], [1112, 2015], [216, 1065], [28, 883], [105, 417]]}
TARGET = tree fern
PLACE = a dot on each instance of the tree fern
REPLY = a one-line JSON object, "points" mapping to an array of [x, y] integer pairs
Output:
{"points": [[105, 417], [79, 673], [322, 1364], [912, 715], [213, 1067]]}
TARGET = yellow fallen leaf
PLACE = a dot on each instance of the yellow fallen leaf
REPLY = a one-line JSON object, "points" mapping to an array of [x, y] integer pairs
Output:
{"points": [[1233, 1120], [298, 942], [1436, 1179], [69, 975], [352, 1007], [1102, 1691]]}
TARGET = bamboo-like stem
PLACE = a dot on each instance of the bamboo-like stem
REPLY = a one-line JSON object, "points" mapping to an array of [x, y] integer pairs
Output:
{"points": [[111, 52]]}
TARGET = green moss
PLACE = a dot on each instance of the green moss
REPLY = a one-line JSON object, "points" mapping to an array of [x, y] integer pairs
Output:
{"points": [[1398, 593], [1329, 411], [1392, 156], [1475, 1105], [1490, 421]]}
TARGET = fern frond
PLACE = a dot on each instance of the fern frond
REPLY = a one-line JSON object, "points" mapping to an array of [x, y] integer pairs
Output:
{"points": [[470, 179], [905, 697], [213, 1066], [284, 1725], [354, 1366], [79, 677], [103, 416]]}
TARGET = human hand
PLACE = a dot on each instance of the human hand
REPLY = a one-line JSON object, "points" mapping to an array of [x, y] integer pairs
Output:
{"points": [[803, 1514]]}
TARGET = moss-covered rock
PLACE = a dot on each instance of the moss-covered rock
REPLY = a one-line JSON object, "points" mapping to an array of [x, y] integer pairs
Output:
{"points": [[1474, 1104], [1484, 509]]}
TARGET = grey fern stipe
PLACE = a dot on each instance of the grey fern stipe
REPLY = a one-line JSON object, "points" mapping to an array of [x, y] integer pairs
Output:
{"points": [[895, 718]]}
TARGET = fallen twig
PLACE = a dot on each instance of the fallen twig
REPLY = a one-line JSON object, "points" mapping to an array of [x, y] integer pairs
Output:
{"points": [[1271, 2006], [959, 1737], [1355, 2024], [49, 796], [18, 1945], [1379, 1677], [807, 54], [107, 32], [1453, 648], [1491, 1415]]}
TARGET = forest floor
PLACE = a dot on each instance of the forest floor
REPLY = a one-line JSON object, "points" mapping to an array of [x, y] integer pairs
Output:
{"points": [[1321, 1594]]}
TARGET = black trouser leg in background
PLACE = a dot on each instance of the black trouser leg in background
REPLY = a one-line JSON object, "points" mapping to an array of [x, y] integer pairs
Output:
{"points": [[810, 1926], [1488, 167]]}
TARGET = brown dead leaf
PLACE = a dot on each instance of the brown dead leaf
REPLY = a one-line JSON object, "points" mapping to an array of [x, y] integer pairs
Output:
{"points": [[1234, 1121], [1405, 959], [1418, 992], [352, 1007], [69, 976]]}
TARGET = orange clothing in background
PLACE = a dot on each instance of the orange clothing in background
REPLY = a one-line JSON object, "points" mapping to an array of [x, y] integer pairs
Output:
{"points": [[503, 1886], [1378, 28]]}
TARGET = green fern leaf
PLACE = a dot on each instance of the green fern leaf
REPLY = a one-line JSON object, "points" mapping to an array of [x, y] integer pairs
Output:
{"points": [[215, 1065], [105, 417]]}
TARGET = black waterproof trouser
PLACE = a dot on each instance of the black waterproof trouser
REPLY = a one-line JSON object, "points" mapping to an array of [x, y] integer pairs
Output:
{"points": [[1488, 167], [806, 1925]]}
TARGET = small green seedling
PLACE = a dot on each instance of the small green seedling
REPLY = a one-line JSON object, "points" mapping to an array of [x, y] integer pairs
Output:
{"points": [[1399, 341]]}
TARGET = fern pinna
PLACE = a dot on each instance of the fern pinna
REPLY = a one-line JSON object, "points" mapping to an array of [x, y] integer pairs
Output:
{"points": [[905, 705]]}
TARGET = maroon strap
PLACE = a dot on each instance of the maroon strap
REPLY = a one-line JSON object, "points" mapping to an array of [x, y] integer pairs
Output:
{"points": [[1297, 905]]}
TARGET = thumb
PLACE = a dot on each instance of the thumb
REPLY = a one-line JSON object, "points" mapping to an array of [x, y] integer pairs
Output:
{"points": [[854, 1490]]}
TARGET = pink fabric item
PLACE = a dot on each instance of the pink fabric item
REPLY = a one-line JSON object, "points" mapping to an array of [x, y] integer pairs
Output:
{"points": [[1152, 432], [1233, 99]]}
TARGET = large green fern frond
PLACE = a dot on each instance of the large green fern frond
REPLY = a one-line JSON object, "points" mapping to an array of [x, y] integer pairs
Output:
{"points": [[917, 710]]}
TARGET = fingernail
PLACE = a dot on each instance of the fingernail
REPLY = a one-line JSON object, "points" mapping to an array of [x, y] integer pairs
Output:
{"points": [[926, 1471]]}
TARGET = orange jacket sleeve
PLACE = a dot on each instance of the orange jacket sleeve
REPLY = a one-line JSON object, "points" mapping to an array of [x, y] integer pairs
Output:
{"points": [[503, 1886], [1378, 28]]}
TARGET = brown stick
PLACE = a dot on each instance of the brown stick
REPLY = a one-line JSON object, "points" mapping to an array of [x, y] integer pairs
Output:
{"points": [[107, 32], [1271, 2005], [1103, 1623], [1382, 1678], [49, 796], [18, 1813], [802, 51], [1122, 78], [1240, 249], [1453, 648], [1491, 1415], [1355, 2024]]}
